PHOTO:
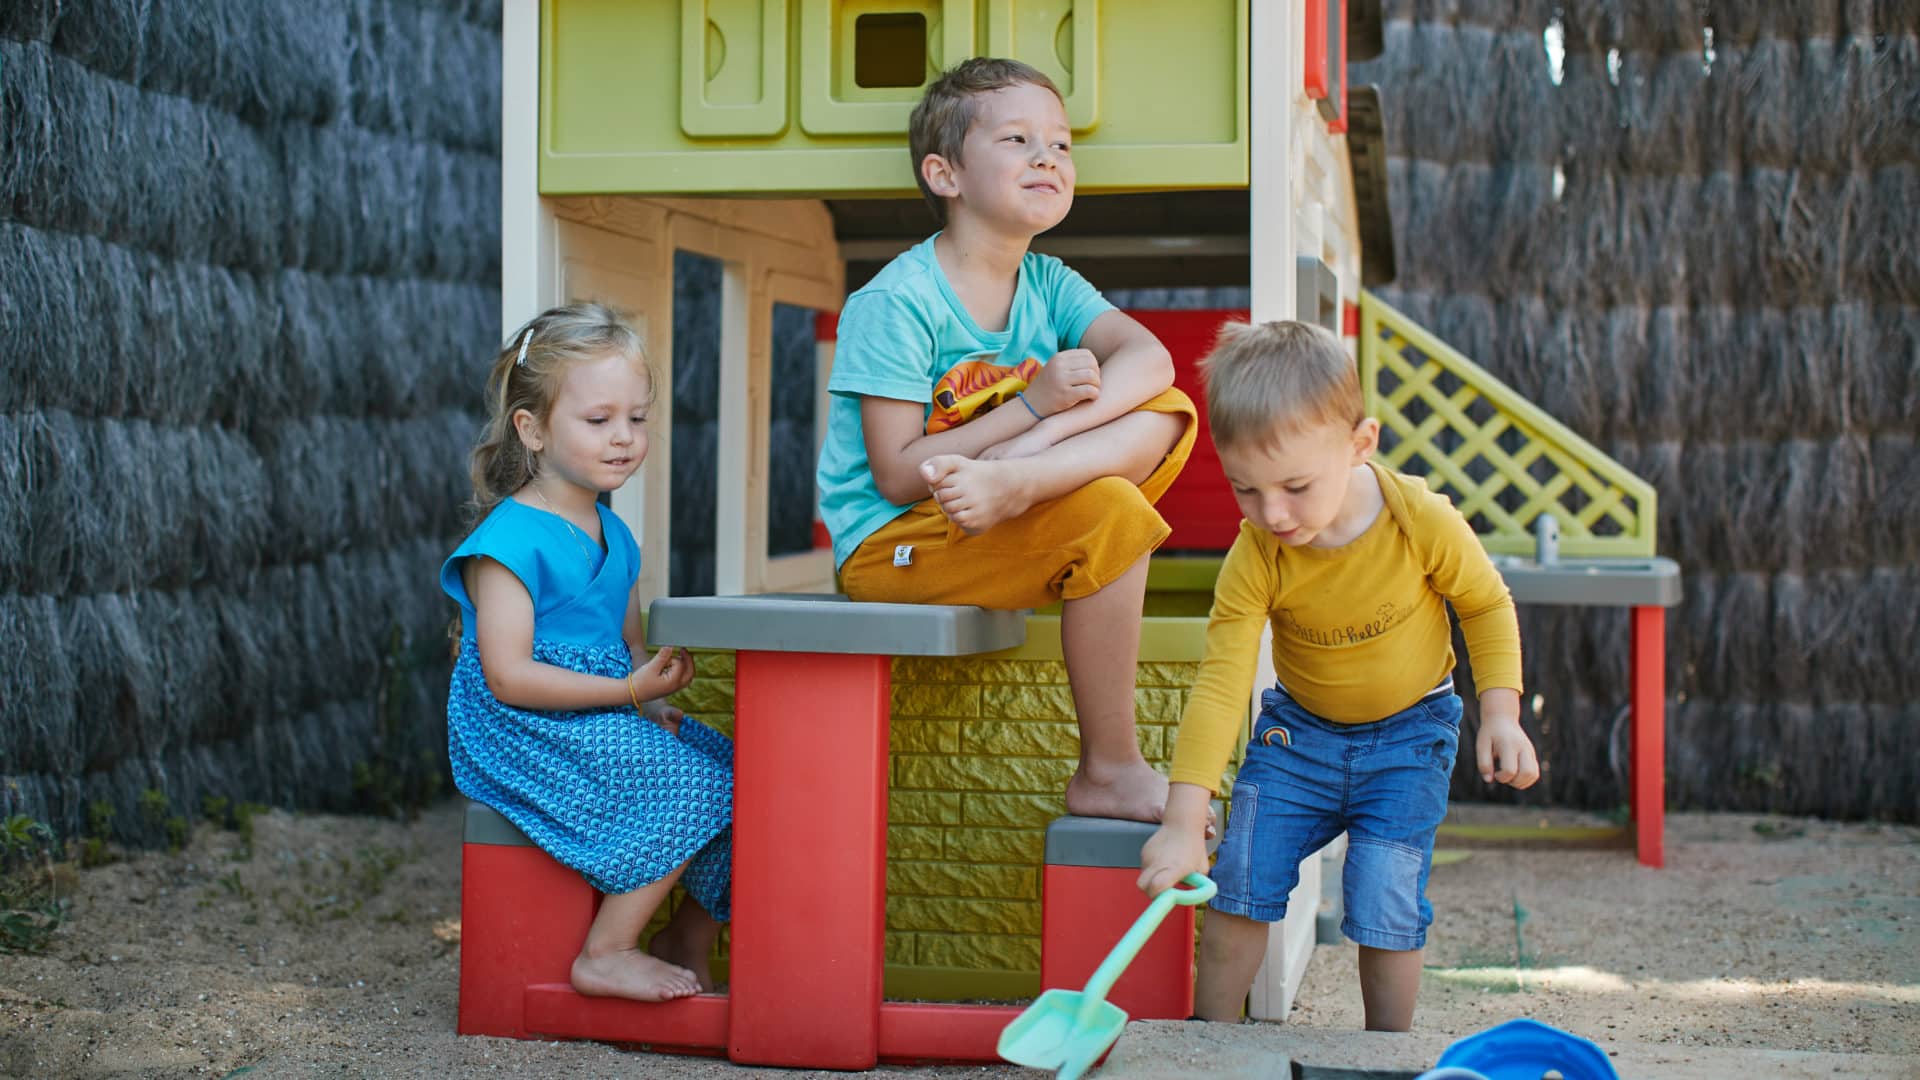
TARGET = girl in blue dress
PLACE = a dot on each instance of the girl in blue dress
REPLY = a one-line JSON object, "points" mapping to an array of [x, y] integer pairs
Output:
{"points": [[549, 720]]}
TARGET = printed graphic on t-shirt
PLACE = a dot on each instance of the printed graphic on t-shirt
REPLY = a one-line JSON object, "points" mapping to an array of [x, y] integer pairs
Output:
{"points": [[973, 387], [1347, 633]]}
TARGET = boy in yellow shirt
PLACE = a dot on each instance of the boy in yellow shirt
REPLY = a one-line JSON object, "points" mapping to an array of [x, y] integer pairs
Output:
{"points": [[1354, 566]]}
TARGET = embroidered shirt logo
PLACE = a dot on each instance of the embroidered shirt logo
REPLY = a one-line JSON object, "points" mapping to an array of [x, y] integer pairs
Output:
{"points": [[1336, 636]]}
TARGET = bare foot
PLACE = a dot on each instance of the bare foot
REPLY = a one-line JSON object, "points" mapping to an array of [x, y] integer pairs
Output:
{"points": [[687, 951], [1134, 792], [976, 495], [631, 973]]}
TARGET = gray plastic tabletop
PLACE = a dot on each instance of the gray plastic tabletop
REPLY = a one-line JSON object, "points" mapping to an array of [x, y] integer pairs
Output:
{"points": [[831, 623], [1597, 582]]}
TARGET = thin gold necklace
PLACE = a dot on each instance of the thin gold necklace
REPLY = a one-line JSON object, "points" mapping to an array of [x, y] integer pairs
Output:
{"points": [[579, 540]]}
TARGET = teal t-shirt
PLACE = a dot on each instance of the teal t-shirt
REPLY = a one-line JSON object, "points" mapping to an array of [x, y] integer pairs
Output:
{"points": [[905, 335]]}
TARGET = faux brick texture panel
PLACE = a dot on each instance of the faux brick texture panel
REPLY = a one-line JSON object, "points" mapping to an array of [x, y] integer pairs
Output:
{"points": [[1013, 702], [963, 915], [923, 808], [981, 754], [954, 879], [1018, 811], [980, 952], [935, 699], [1030, 738], [914, 736], [1019, 847]]}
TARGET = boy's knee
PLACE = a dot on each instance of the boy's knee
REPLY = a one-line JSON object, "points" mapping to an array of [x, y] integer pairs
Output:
{"points": [[1174, 402], [1384, 889], [1178, 409], [1225, 934], [1116, 496]]}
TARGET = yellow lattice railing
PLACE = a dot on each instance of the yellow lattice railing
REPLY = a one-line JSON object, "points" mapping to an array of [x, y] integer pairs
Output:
{"points": [[1501, 458]]}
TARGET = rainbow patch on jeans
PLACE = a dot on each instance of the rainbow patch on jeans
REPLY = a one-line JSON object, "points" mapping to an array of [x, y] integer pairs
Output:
{"points": [[1277, 734]]}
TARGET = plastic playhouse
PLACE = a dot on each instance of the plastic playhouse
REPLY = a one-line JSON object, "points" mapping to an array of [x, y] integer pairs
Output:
{"points": [[897, 845]]}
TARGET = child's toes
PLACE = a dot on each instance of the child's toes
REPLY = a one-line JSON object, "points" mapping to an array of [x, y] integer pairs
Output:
{"points": [[937, 468]]}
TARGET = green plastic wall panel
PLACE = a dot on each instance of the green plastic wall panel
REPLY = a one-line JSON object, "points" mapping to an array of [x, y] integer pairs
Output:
{"points": [[733, 67], [764, 97]]}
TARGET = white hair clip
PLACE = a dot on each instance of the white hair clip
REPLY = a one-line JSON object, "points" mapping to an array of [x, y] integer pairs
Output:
{"points": [[526, 339]]}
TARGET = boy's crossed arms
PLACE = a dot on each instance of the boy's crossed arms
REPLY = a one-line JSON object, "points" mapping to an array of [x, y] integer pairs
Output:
{"points": [[1078, 424]]}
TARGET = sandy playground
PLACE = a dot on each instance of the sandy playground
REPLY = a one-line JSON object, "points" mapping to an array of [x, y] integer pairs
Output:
{"points": [[331, 949]]}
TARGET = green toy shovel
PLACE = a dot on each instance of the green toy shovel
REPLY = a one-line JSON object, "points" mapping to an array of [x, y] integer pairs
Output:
{"points": [[1069, 1029]]}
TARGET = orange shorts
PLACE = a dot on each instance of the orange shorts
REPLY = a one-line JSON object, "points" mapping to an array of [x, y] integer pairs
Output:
{"points": [[1062, 549]]}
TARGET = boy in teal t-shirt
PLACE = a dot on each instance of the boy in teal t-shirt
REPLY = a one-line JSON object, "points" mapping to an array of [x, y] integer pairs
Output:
{"points": [[998, 432]]}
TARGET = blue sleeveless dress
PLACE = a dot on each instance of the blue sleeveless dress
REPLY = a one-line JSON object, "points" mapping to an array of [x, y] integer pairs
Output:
{"points": [[606, 791]]}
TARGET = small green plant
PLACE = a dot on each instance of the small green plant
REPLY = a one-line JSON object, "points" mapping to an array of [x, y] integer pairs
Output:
{"points": [[403, 772], [93, 845], [243, 816], [153, 807], [235, 886], [215, 809], [31, 907], [369, 875], [156, 814], [1521, 957]]}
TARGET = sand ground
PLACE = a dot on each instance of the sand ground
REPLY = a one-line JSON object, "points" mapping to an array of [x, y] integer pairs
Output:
{"points": [[331, 949]]}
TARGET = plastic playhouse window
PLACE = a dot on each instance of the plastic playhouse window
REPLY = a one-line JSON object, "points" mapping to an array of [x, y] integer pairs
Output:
{"points": [[890, 49], [697, 318], [793, 440]]}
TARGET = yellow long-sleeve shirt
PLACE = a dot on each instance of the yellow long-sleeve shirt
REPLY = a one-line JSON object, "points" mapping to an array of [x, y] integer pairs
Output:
{"points": [[1359, 631]]}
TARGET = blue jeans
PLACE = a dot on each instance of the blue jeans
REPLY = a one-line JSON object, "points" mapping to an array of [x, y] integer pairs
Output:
{"points": [[1305, 780]]}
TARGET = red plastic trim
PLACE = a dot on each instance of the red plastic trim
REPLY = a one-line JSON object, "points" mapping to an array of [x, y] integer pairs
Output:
{"points": [[1200, 504], [1316, 49], [1648, 756], [915, 1032], [1338, 125], [556, 1010]]}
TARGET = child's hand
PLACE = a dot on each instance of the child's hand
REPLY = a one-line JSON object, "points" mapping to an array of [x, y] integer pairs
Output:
{"points": [[1071, 377], [1175, 850], [663, 714], [669, 672], [1502, 749]]}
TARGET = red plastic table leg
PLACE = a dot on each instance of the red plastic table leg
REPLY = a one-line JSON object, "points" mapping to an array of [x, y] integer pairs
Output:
{"points": [[1648, 768], [809, 858]]}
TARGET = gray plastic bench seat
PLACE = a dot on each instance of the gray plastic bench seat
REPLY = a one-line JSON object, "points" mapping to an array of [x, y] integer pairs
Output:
{"points": [[485, 825], [1098, 841], [831, 623]]}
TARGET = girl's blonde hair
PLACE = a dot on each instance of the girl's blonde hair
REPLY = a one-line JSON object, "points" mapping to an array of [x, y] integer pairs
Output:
{"points": [[1268, 381], [527, 375]]}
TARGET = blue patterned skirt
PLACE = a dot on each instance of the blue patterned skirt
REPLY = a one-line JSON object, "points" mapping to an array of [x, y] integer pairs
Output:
{"points": [[607, 792]]}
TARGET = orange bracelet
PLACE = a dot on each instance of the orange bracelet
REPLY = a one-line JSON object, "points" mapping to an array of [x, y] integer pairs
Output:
{"points": [[634, 695]]}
